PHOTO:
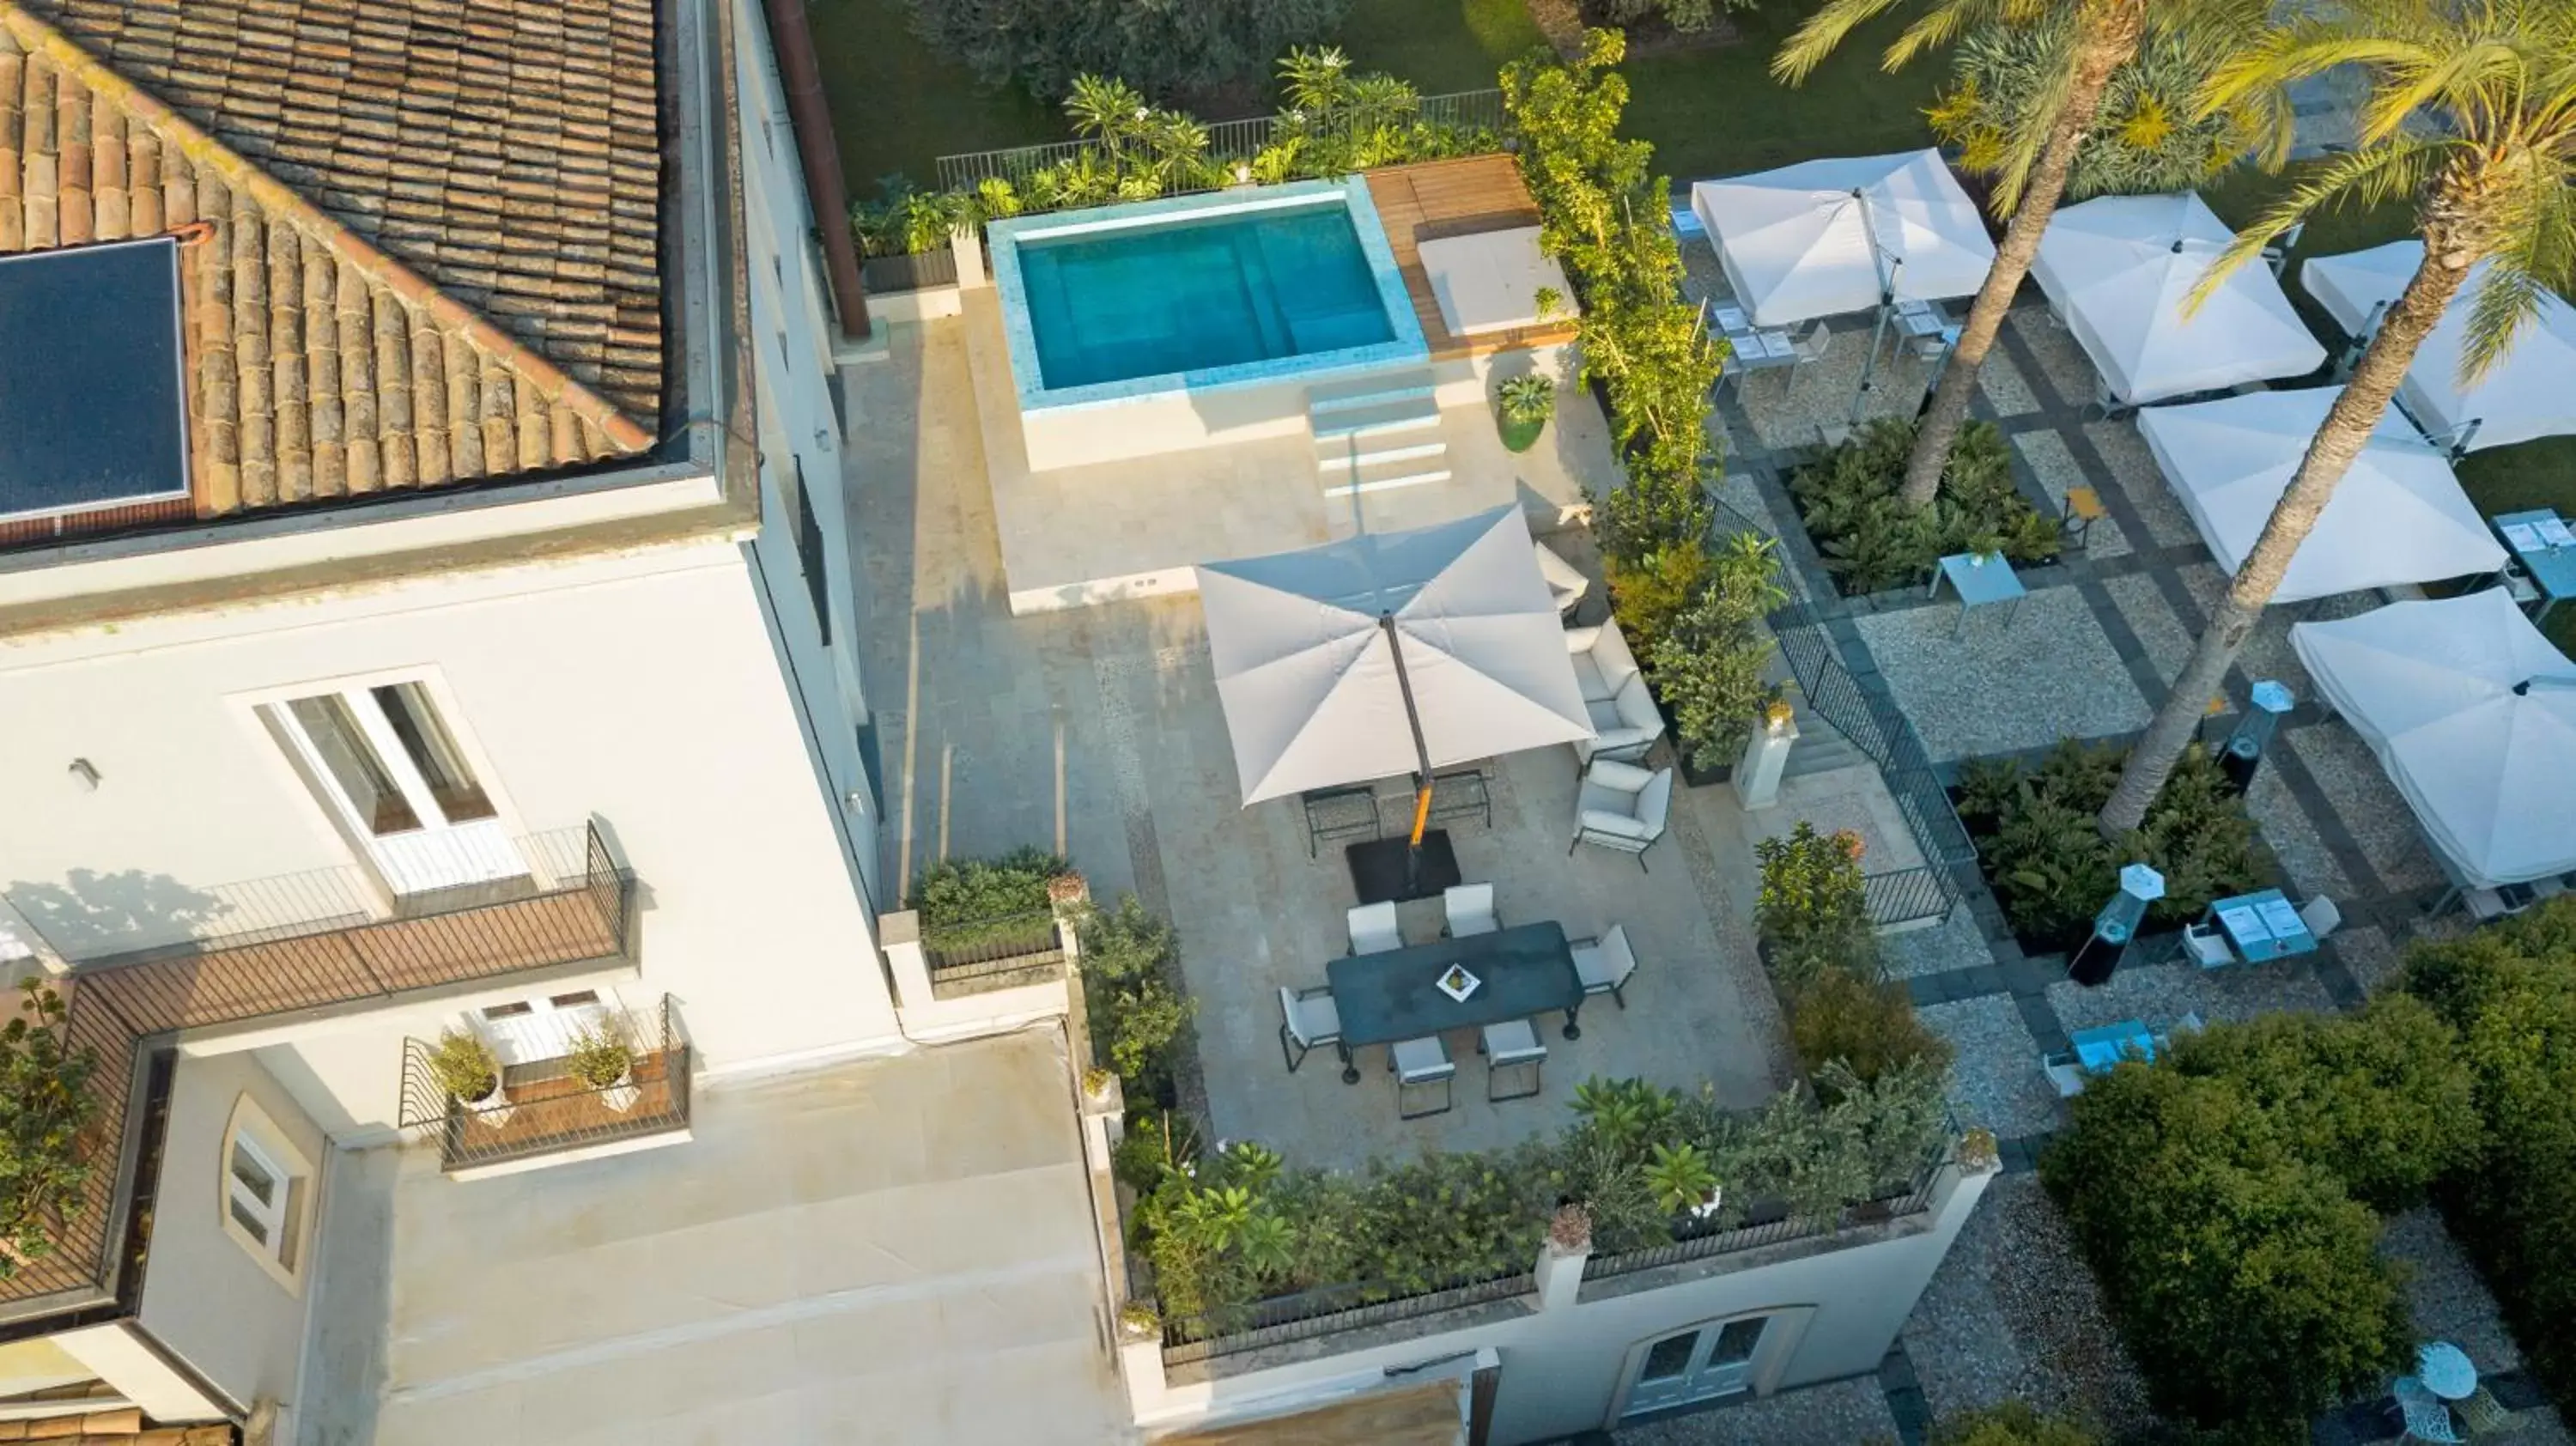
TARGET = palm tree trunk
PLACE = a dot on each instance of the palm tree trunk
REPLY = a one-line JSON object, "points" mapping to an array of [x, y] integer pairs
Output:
{"points": [[2109, 42], [2339, 439]]}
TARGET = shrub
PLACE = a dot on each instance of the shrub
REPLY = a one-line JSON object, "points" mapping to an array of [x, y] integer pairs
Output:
{"points": [[2012, 1423], [2245, 1280], [1527, 398], [1689, 17], [464, 1066], [964, 902], [1866, 1025], [1871, 540], [1163, 49], [2510, 991], [2150, 136], [46, 1107], [1129, 962], [1813, 913], [2050, 866], [599, 1057], [1707, 665]]}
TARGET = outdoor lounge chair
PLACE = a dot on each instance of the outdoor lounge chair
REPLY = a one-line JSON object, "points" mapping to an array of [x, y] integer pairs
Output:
{"points": [[1626, 722], [1602, 663], [1621, 806], [1471, 910], [1307, 1018], [1374, 929], [1604, 964], [1512, 1044], [1565, 582], [1419, 1064]]}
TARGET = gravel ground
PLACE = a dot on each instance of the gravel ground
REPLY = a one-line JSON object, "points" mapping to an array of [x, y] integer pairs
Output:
{"points": [[2134, 470], [2450, 1301], [1995, 1078], [1738, 491], [1843, 1413], [2053, 463], [1956, 943], [2366, 951], [2142, 605], [2063, 368], [2013, 1313], [2002, 385], [2369, 805], [2294, 839], [2162, 993], [1799, 406], [2008, 681]]}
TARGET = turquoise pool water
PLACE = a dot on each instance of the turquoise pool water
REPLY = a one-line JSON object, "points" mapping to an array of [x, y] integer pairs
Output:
{"points": [[1196, 293]]}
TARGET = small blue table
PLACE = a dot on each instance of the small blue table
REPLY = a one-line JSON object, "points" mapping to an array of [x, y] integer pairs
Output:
{"points": [[2552, 569], [2262, 926], [2099, 1049], [1979, 583]]}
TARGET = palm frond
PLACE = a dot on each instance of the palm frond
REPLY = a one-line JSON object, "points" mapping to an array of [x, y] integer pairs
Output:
{"points": [[2365, 177], [2507, 300], [1821, 34]]}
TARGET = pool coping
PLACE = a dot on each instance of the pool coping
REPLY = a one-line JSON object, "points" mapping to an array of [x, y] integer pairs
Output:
{"points": [[1002, 245]]}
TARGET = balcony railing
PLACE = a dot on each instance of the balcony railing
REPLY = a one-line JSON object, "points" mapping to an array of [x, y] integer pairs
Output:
{"points": [[1906, 896], [545, 1108], [1281, 1320], [281, 946], [995, 953]]}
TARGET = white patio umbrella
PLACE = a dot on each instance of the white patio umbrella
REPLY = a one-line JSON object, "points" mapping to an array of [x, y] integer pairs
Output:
{"points": [[2473, 714], [2398, 516], [2529, 392], [1822, 238], [2119, 269], [1389, 653]]}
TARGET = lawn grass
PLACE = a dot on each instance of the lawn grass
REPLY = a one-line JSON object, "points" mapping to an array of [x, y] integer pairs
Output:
{"points": [[1438, 45], [1717, 112], [897, 105]]}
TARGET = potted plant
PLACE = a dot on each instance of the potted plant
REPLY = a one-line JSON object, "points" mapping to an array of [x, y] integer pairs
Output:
{"points": [[601, 1061], [1527, 401], [466, 1068]]}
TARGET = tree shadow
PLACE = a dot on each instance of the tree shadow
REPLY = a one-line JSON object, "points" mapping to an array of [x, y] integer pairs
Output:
{"points": [[93, 915]]}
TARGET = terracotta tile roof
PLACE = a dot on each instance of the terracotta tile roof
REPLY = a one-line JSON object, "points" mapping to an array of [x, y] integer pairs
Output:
{"points": [[436, 222]]}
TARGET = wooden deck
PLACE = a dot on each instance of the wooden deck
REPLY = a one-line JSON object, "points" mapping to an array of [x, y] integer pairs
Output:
{"points": [[1434, 199]]}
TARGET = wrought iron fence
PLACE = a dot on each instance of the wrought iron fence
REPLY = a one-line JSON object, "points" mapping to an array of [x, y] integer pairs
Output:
{"points": [[1325, 1311], [887, 275], [965, 958], [1902, 896], [1702, 1240], [544, 1108], [1229, 143]]}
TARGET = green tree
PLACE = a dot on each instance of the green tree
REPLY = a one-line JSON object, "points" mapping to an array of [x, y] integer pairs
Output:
{"points": [[2013, 1423], [46, 1105], [2037, 157], [2150, 136], [2490, 176], [1167, 51]]}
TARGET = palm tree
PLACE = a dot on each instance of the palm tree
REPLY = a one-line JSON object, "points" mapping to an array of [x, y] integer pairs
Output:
{"points": [[2472, 112], [2103, 35]]}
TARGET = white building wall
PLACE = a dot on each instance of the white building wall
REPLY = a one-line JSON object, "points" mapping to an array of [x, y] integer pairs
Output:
{"points": [[205, 1299], [641, 690], [800, 437]]}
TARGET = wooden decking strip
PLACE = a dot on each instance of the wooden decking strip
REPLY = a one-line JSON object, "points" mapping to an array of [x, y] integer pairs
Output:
{"points": [[1462, 197]]}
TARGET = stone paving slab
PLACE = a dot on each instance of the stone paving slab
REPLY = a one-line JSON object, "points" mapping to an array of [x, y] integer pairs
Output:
{"points": [[2014, 1314], [2134, 471], [1995, 1078], [2007, 393], [1840, 1413], [2158, 629], [2007, 682], [2365, 950], [2295, 841], [2063, 370]]}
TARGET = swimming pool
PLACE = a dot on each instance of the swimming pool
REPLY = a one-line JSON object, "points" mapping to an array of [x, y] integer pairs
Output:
{"points": [[1200, 292]]}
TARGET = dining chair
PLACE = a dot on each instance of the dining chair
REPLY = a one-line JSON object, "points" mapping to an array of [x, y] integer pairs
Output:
{"points": [[2206, 945], [2321, 916], [1512, 1044], [1307, 1018], [1604, 964], [2427, 1416], [2486, 1416], [1374, 929], [1471, 911], [1419, 1064]]}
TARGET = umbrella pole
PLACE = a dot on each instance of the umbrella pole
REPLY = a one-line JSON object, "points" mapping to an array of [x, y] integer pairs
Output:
{"points": [[1421, 755]]}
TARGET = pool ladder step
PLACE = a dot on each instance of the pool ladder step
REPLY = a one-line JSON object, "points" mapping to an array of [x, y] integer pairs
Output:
{"points": [[1378, 440]]}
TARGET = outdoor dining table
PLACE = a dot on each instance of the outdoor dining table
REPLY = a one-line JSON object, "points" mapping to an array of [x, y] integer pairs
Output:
{"points": [[2099, 1049], [2546, 549], [1978, 582], [2263, 927], [1521, 972]]}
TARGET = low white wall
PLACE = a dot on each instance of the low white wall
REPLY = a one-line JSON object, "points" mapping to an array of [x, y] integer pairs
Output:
{"points": [[1837, 1305], [928, 1019], [1168, 422]]}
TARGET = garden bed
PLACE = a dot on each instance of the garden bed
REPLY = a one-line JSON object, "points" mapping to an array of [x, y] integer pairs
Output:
{"points": [[1871, 541], [2050, 868]]}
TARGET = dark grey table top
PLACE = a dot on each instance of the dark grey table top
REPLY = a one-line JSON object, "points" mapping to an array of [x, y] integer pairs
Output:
{"points": [[1527, 970]]}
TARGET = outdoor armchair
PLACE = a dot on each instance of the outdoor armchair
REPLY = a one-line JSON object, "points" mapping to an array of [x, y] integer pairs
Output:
{"points": [[1621, 806], [1624, 725], [1602, 663], [1565, 582]]}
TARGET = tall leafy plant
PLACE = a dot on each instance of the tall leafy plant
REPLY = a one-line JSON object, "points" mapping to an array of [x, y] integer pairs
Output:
{"points": [[2493, 179], [2152, 135], [46, 1106]]}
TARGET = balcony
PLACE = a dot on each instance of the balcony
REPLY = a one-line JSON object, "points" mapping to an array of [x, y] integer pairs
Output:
{"points": [[546, 1109], [278, 947]]}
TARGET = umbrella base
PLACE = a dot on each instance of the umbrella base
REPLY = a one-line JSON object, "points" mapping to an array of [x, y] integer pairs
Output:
{"points": [[1378, 868]]}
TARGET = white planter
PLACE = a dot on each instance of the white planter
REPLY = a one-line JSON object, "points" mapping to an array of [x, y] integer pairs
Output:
{"points": [[622, 1095], [493, 1109]]}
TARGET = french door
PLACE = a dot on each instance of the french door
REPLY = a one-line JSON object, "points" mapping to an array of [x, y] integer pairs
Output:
{"points": [[1699, 1364], [544, 1026], [393, 770]]}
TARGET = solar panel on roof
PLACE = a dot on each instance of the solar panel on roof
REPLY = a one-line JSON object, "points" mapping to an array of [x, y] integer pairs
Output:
{"points": [[93, 412]]}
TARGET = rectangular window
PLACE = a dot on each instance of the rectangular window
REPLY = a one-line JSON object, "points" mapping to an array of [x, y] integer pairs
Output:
{"points": [[809, 551], [400, 776], [341, 743], [257, 1189], [426, 742], [268, 1193]]}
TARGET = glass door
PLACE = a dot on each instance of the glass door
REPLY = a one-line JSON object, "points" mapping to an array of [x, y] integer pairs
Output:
{"points": [[1699, 1364], [544, 1026], [393, 769]]}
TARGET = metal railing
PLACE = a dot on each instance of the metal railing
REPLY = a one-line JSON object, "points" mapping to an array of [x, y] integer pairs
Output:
{"points": [[1325, 1311], [887, 275], [1715, 1242], [1229, 143], [1902, 896], [1005, 944], [544, 1108], [231, 954]]}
